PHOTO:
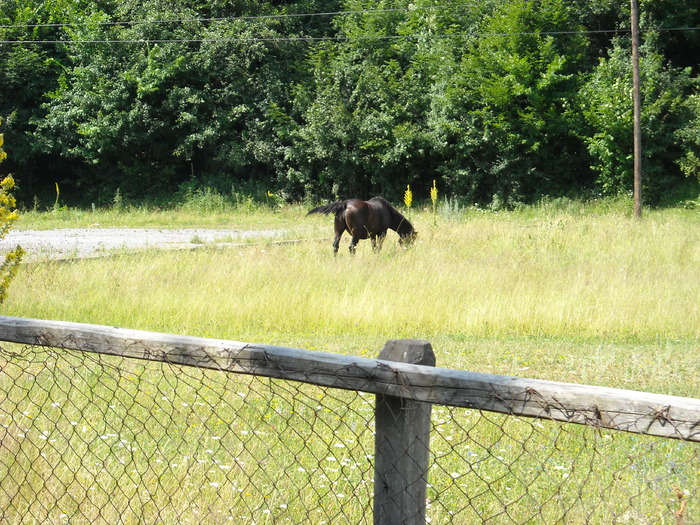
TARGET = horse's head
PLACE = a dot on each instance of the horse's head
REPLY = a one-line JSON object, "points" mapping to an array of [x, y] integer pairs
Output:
{"points": [[407, 238], [406, 232]]}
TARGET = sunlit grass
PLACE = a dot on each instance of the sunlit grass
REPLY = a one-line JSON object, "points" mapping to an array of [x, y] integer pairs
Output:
{"points": [[515, 293], [577, 293], [489, 466]]}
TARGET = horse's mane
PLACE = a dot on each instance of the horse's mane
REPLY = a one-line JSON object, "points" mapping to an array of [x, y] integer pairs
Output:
{"points": [[386, 203], [382, 199], [404, 227]]}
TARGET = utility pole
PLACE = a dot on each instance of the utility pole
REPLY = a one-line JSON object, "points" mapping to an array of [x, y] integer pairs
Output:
{"points": [[637, 113]]}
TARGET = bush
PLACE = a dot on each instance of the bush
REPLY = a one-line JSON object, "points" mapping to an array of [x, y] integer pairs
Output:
{"points": [[8, 215]]}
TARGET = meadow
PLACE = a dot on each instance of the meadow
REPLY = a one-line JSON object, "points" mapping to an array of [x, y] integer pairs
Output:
{"points": [[565, 291]]}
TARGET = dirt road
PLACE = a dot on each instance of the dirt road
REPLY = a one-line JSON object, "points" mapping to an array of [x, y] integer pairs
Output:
{"points": [[91, 242]]}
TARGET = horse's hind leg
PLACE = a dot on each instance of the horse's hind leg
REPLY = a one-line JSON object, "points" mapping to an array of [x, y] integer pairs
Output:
{"points": [[336, 241], [353, 244], [339, 229]]}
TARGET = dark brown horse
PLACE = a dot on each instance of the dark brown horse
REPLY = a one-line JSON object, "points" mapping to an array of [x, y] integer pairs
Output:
{"points": [[367, 219]]}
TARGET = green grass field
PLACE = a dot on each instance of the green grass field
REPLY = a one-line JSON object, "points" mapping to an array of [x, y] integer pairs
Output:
{"points": [[566, 291], [573, 292]]}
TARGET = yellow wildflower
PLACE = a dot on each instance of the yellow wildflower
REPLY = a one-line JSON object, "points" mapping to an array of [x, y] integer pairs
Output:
{"points": [[434, 193], [408, 197]]}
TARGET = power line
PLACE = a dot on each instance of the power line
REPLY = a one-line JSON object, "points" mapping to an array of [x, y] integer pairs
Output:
{"points": [[293, 39], [299, 38], [281, 17], [339, 38], [229, 18]]}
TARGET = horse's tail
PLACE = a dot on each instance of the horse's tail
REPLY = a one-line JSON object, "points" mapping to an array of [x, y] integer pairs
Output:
{"points": [[333, 207]]}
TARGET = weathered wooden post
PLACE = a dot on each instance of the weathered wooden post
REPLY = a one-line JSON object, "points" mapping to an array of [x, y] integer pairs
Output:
{"points": [[402, 444]]}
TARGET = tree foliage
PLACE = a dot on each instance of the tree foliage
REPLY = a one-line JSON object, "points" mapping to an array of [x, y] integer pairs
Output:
{"points": [[501, 102], [510, 117], [668, 114]]}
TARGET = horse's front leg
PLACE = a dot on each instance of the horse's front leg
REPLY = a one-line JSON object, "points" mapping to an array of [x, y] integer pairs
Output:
{"points": [[378, 242]]}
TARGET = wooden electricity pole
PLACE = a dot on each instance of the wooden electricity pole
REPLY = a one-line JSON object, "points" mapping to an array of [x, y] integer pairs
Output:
{"points": [[637, 113]]}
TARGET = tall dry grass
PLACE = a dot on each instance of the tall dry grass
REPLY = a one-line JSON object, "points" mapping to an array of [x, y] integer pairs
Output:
{"points": [[506, 292]]}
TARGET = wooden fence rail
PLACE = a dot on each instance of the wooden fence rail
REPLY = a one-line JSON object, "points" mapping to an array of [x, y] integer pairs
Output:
{"points": [[611, 408]]}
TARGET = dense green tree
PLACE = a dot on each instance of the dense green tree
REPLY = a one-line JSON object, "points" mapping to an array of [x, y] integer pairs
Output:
{"points": [[502, 101], [361, 117], [667, 114], [674, 24], [27, 73], [688, 136], [507, 120], [170, 98], [122, 108]]}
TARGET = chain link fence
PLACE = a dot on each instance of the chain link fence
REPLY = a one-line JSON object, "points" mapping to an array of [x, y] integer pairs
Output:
{"points": [[92, 438]]}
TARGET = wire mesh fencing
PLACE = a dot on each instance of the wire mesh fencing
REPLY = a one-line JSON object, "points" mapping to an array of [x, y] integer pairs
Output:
{"points": [[495, 468], [92, 438]]}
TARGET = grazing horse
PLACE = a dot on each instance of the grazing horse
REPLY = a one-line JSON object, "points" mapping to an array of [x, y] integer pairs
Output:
{"points": [[367, 219]]}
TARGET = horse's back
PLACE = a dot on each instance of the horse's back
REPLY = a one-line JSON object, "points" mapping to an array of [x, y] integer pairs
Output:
{"points": [[357, 204], [370, 217], [355, 216]]}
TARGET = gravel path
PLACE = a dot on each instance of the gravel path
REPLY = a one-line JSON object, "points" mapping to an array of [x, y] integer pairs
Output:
{"points": [[91, 242]]}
